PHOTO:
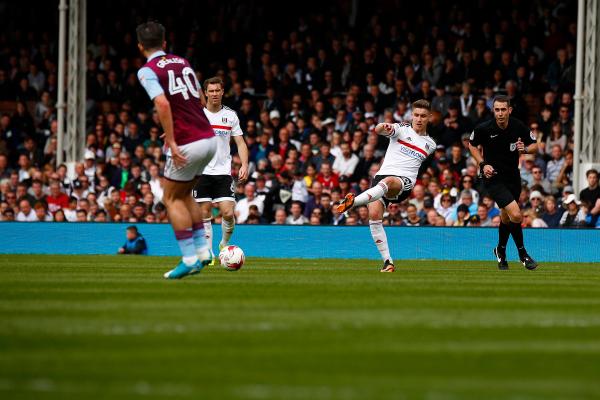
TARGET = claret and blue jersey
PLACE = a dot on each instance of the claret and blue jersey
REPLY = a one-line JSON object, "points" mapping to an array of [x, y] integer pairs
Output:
{"points": [[173, 76]]}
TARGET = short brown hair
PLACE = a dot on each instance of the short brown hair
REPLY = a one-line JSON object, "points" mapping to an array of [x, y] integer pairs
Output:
{"points": [[422, 104], [502, 99], [151, 35], [215, 80]]}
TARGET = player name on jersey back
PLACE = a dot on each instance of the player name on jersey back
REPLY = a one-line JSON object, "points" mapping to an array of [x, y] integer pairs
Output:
{"points": [[173, 76]]}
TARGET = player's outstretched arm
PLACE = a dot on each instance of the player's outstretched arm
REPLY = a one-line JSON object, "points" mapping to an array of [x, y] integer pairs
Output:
{"points": [[243, 153], [385, 129], [163, 108]]}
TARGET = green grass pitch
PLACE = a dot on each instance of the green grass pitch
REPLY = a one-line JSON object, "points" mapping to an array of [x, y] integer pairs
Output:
{"points": [[108, 327]]}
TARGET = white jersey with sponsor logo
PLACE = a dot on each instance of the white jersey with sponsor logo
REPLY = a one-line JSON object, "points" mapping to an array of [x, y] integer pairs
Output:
{"points": [[406, 152], [225, 123]]}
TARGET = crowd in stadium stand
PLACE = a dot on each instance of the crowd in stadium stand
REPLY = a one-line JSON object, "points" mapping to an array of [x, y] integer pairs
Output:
{"points": [[308, 93]]}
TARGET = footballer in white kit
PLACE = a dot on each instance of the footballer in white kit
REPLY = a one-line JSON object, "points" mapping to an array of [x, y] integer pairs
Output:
{"points": [[409, 147], [217, 185]]}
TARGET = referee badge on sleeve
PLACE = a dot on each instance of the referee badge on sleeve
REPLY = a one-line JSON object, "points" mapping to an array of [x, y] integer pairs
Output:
{"points": [[472, 137], [532, 136]]}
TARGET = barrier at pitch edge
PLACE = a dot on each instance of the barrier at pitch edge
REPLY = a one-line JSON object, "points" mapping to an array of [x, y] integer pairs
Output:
{"points": [[406, 243]]}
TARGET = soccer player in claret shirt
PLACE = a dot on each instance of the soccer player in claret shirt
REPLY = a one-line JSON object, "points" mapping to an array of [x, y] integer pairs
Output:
{"points": [[496, 145], [409, 147], [190, 141], [216, 185]]}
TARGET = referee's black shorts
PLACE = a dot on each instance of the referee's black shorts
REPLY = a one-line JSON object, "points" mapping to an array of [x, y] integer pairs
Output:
{"points": [[503, 191]]}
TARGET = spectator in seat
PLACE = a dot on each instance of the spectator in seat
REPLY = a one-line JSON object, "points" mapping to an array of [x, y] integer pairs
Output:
{"points": [[327, 177], [474, 220], [70, 210], [326, 209], [37, 191], [59, 216], [462, 216], [556, 163], [280, 217], [299, 188], [551, 215], [565, 176], [81, 216], [490, 204], [482, 213], [446, 207], [119, 174], [537, 178], [455, 125], [394, 216], [536, 200], [442, 100], [26, 213], [590, 196], [556, 138], [458, 161], [135, 243], [480, 113], [242, 208], [100, 216], [565, 120], [22, 194], [296, 217], [315, 199], [412, 216], [42, 213], [531, 219], [467, 199], [574, 216], [323, 156], [8, 215], [467, 183], [315, 217], [347, 162], [418, 197]]}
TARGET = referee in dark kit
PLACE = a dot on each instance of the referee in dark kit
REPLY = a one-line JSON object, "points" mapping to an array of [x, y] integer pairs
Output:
{"points": [[496, 145]]}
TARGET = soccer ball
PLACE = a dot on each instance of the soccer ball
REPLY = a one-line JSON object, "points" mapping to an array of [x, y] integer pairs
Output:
{"points": [[232, 258]]}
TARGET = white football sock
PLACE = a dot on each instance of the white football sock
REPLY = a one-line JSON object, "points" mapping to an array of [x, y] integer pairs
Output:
{"points": [[370, 195], [227, 230], [208, 233], [380, 239]]}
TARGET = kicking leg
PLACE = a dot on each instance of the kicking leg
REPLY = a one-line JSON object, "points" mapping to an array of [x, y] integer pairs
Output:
{"points": [[388, 187], [378, 233]]}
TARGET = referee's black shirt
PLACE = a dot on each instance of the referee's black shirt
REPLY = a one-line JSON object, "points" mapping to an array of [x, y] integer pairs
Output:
{"points": [[500, 145]]}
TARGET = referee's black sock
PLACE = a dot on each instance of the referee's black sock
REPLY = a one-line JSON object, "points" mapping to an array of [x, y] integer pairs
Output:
{"points": [[503, 234], [517, 234]]}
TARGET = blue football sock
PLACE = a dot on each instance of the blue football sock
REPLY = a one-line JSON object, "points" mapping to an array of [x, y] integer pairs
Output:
{"points": [[185, 240], [199, 236]]}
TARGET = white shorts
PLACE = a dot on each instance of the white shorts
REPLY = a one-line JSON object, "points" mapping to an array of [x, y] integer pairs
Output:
{"points": [[198, 155]]}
